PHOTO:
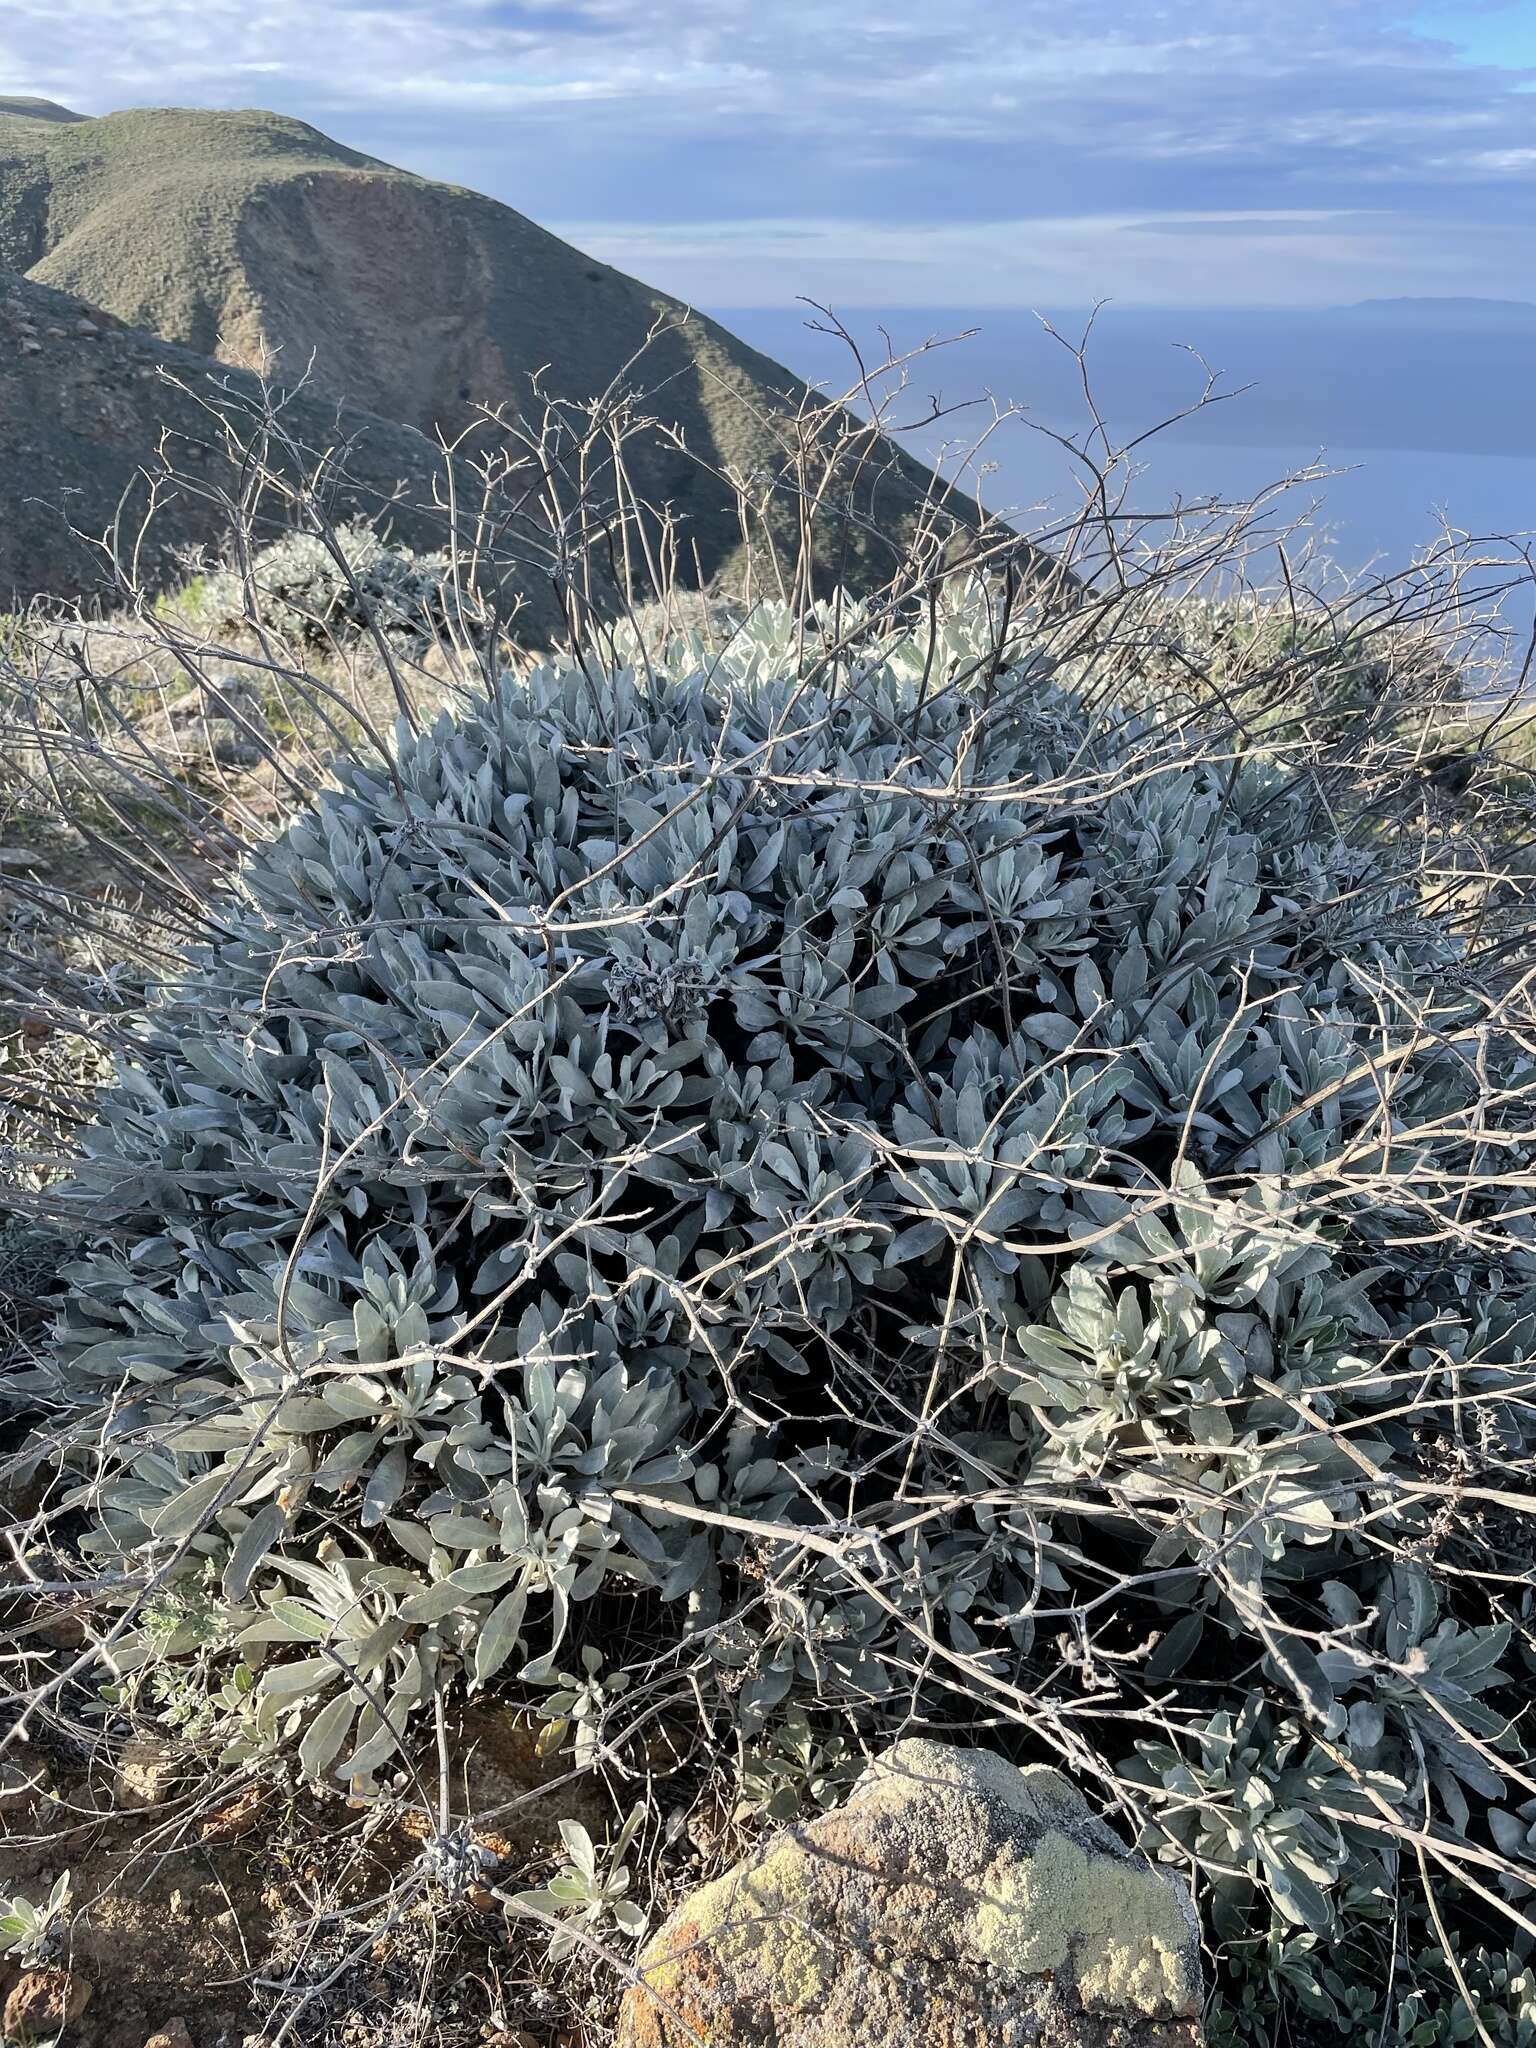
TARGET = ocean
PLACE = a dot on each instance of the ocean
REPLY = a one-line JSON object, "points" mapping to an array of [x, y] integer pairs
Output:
{"points": [[1423, 412]]}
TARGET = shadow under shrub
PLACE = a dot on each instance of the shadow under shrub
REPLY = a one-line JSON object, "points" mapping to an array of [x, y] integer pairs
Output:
{"points": [[877, 1175]]}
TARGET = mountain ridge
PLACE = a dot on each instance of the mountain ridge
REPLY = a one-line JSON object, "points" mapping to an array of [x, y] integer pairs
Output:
{"points": [[25, 107], [254, 239]]}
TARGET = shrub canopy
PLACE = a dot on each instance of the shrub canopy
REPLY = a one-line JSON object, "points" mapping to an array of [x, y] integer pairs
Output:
{"points": [[859, 1175], [336, 587]]}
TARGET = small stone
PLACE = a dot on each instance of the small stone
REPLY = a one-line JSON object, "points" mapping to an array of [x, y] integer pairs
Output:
{"points": [[174, 2034], [31, 346], [145, 1772], [61, 1631], [229, 1823], [43, 2003], [87, 329]]}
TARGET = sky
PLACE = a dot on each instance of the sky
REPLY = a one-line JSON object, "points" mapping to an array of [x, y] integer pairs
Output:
{"points": [[901, 153]]}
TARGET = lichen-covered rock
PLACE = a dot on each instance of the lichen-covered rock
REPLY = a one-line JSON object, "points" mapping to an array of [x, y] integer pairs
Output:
{"points": [[952, 1902]]}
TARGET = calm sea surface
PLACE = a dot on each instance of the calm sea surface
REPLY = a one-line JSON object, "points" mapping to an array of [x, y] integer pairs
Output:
{"points": [[1426, 411]]}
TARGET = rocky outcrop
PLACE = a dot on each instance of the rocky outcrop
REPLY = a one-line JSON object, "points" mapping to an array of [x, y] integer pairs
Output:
{"points": [[953, 1901]]}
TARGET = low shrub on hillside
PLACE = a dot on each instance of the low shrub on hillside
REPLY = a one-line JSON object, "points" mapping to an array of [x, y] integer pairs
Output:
{"points": [[322, 588], [846, 1173]]}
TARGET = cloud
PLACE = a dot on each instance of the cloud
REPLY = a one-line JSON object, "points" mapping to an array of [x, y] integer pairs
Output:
{"points": [[1237, 260], [914, 132]]}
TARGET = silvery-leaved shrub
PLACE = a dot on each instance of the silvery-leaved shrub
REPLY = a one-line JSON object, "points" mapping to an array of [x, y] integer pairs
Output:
{"points": [[1482, 1995], [895, 1093], [319, 589]]}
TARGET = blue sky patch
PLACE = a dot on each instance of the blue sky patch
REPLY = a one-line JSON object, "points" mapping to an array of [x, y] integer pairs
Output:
{"points": [[1504, 35]]}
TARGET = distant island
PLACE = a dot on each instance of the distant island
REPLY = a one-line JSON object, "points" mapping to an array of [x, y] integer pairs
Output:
{"points": [[1463, 313]]}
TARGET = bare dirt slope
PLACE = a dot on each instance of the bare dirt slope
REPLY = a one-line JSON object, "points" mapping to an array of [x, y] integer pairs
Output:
{"points": [[104, 426], [256, 239]]}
